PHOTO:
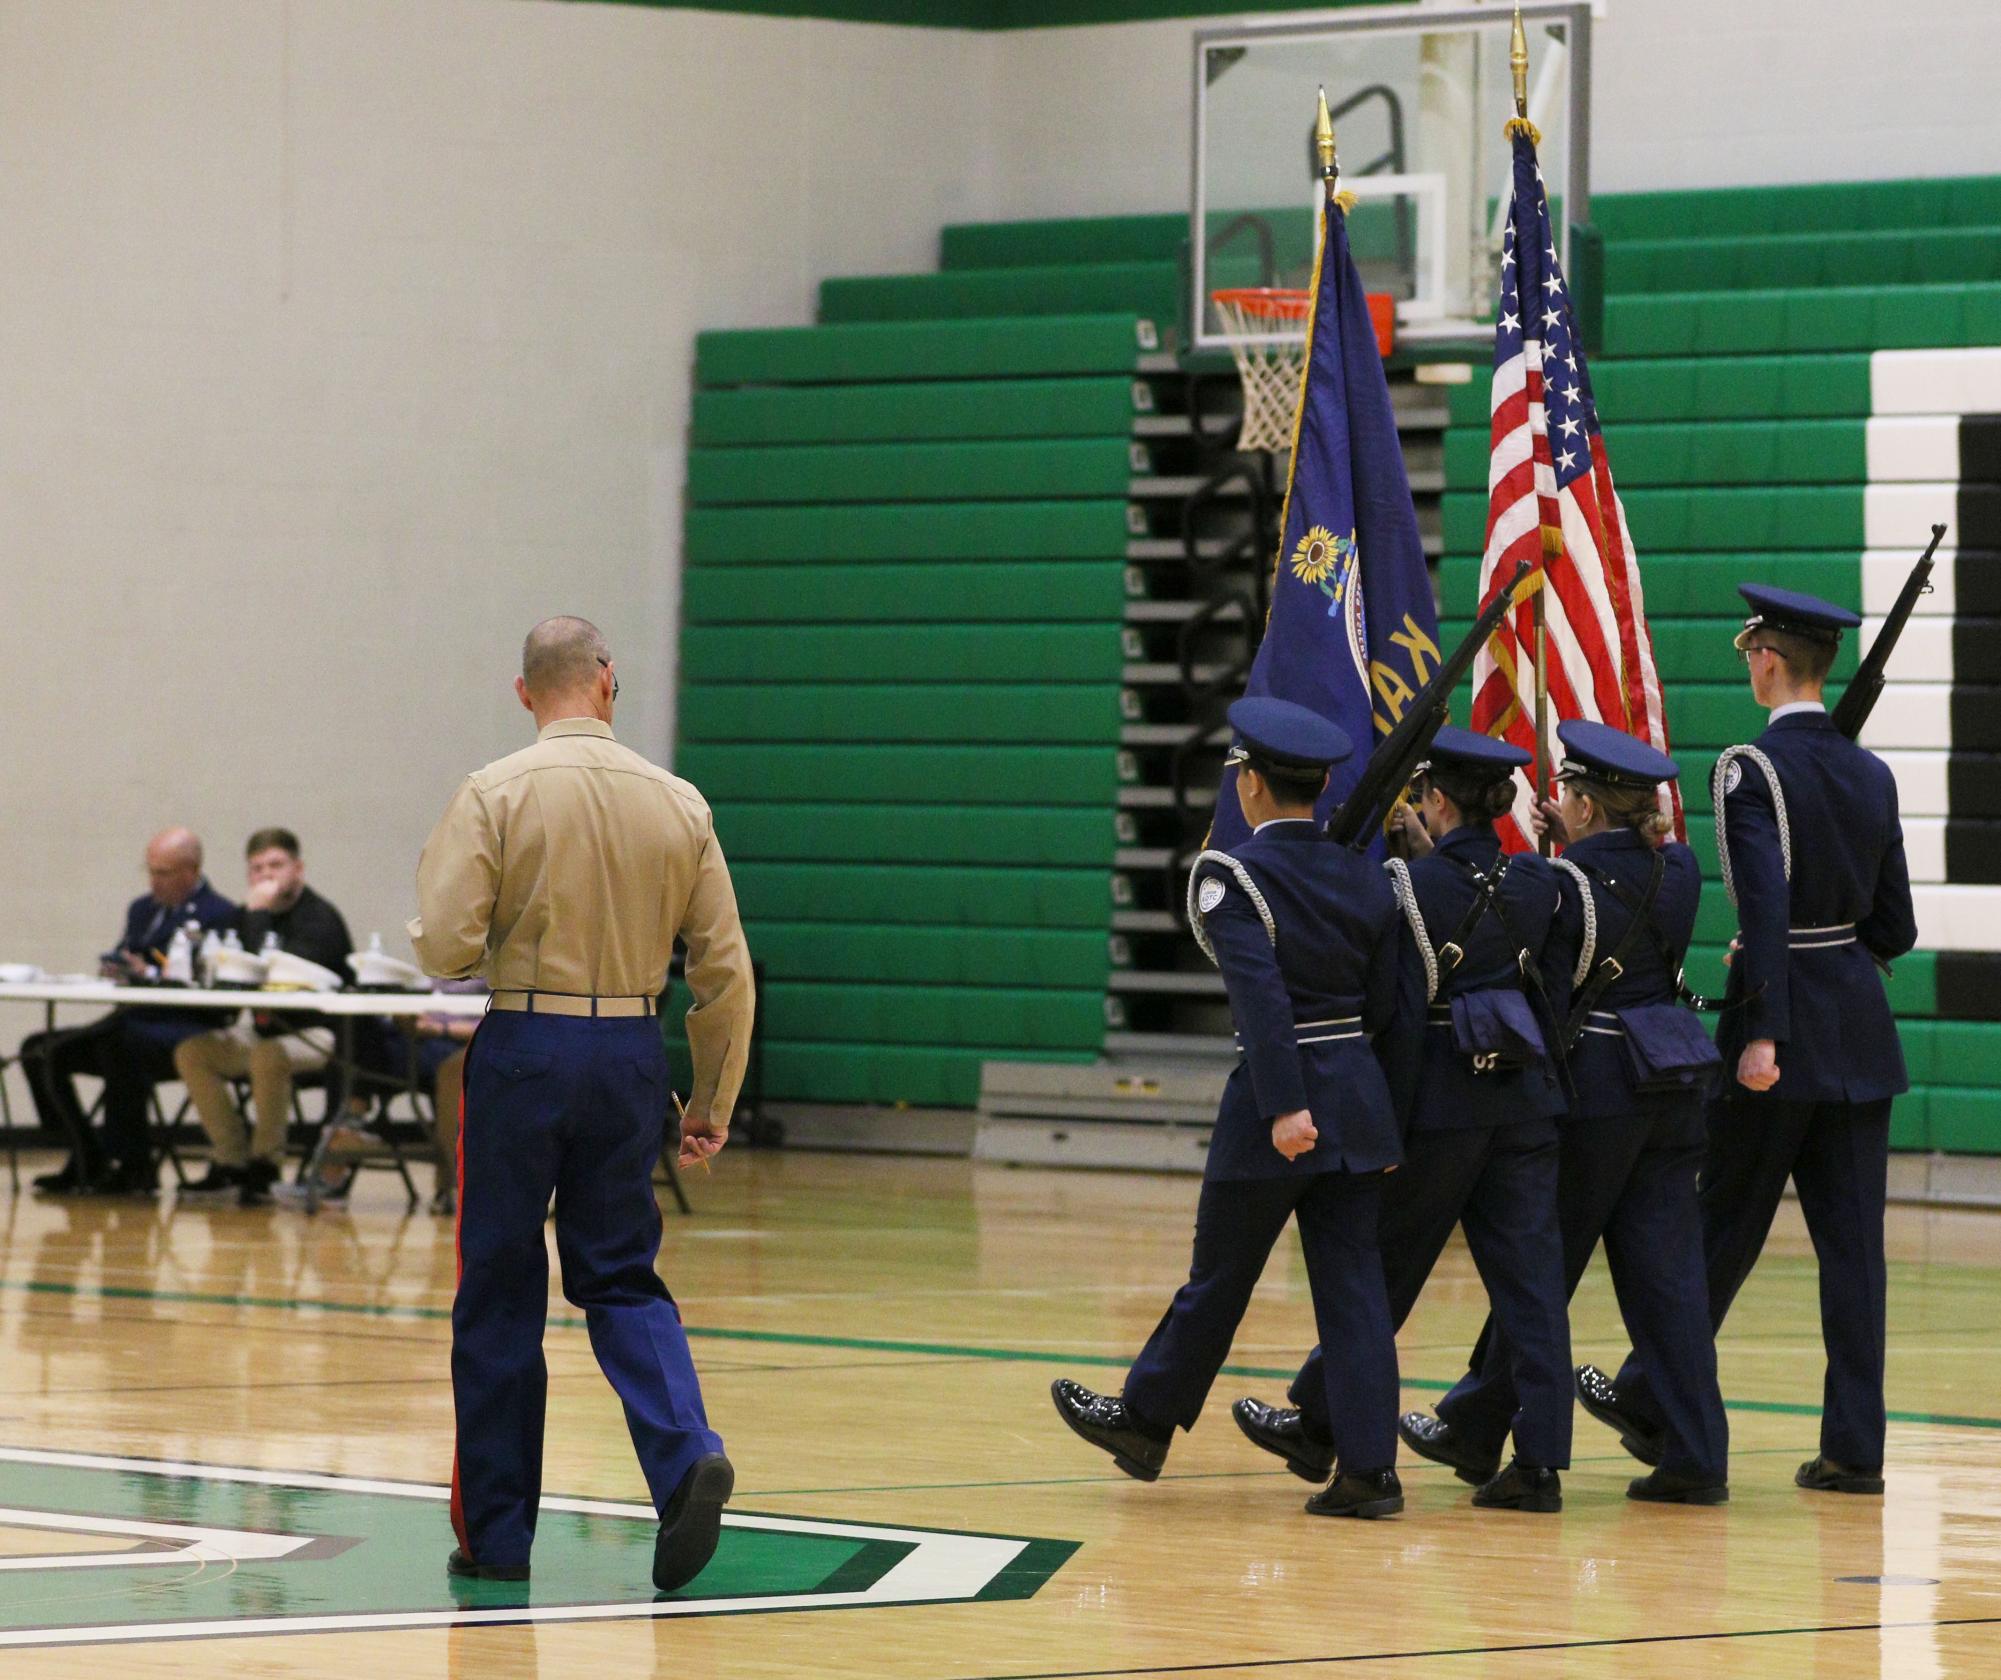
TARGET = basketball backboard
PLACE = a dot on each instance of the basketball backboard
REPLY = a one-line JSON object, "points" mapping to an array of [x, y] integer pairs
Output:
{"points": [[1420, 95]]}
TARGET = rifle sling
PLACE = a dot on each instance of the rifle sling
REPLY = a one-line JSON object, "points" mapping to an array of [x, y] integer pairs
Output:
{"points": [[1609, 969]]}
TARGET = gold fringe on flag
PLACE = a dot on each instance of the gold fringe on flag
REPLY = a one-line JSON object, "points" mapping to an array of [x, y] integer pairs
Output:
{"points": [[1521, 125]]}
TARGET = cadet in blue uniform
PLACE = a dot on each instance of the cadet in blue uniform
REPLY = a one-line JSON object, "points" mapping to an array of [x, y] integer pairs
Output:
{"points": [[1305, 933], [1640, 1066], [1813, 857], [1481, 1099]]}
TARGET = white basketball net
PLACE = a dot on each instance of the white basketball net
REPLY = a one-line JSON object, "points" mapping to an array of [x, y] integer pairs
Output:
{"points": [[1270, 371]]}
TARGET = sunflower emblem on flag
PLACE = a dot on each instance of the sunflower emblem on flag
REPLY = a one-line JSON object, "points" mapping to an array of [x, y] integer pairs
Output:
{"points": [[1327, 562], [1332, 565]]}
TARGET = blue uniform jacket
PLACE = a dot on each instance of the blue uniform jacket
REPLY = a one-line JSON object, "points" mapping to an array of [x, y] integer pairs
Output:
{"points": [[1601, 1076], [149, 926], [1302, 995], [1799, 979], [1432, 1081]]}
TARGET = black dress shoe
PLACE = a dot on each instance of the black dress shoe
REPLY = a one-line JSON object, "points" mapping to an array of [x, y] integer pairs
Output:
{"points": [[219, 1180], [1665, 1487], [461, 1565], [254, 1187], [1521, 1487], [131, 1181], [1281, 1431], [693, 1522], [1437, 1440], [1110, 1425], [1358, 1493], [1601, 1400], [1823, 1475], [63, 1180]]}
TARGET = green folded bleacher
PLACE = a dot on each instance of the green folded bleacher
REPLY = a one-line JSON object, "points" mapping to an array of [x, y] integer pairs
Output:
{"points": [[900, 668]]}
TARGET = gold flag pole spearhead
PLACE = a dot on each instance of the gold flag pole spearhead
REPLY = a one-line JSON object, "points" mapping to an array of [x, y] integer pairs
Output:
{"points": [[1330, 164], [1518, 62]]}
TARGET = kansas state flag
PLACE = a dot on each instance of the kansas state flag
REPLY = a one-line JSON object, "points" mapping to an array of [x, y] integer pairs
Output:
{"points": [[1353, 632]]}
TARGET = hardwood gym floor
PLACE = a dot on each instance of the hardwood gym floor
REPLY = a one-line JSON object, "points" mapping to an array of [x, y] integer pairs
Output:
{"points": [[877, 1336]]}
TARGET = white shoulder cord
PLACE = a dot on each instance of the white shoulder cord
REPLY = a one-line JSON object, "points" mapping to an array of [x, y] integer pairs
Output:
{"points": [[1407, 897], [1589, 951], [1251, 892], [1725, 760]]}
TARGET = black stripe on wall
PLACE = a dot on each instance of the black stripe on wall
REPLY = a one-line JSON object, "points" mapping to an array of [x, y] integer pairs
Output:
{"points": [[1973, 785], [1972, 850], [1979, 516], [1976, 718], [1976, 581], [1969, 985], [1980, 448]]}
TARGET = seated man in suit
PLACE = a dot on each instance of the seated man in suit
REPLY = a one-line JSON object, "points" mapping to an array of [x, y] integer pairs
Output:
{"points": [[269, 1049], [131, 1050]]}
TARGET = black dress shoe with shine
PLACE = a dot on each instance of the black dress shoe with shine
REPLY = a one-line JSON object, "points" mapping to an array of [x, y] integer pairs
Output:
{"points": [[1359, 1493], [1521, 1487], [1823, 1475], [1437, 1440], [219, 1180], [1597, 1395], [63, 1180], [1281, 1431], [693, 1522], [462, 1566], [1666, 1487], [1110, 1425]]}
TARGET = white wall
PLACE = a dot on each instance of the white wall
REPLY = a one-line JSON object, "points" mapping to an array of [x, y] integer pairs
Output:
{"points": [[1687, 93], [342, 339]]}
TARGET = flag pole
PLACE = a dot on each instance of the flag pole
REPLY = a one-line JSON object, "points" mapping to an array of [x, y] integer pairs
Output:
{"points": [[1518, 63]]}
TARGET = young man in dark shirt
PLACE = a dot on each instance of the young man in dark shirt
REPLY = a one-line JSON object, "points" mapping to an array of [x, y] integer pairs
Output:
{"points": [[270, 1050]]}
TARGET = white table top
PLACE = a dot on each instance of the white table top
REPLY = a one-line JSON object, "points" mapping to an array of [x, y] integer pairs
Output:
{"points": [[108, 994]]}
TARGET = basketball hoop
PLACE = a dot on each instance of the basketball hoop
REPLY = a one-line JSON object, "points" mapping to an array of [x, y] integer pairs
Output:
{"points": [[1270, 370]]}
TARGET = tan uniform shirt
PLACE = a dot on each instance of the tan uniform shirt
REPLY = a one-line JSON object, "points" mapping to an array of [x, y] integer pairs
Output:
{"points": [[571, 866]]}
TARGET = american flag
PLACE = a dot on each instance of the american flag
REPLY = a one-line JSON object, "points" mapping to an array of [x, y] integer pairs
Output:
{"points": [[1550, 501]]}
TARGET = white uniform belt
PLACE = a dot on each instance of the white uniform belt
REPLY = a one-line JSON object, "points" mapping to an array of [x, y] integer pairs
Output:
{"points": [[1604, 1023], [572, 1003], [1322, 1032], [1821, 938]]}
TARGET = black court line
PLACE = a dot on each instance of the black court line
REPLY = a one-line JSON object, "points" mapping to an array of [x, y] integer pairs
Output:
{"points": [[1484, 1650]]}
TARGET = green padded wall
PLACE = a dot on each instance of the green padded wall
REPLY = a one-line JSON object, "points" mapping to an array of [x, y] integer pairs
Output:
{"points": [[901, 668]]}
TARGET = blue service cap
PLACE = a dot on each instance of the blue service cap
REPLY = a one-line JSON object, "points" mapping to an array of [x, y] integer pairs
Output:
{"points": [[1283, 733], [1789, 611], [1611, 755], [1474, 754]]}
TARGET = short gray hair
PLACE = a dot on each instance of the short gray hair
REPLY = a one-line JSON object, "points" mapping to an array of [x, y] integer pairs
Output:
{"points": [[562, 654]]}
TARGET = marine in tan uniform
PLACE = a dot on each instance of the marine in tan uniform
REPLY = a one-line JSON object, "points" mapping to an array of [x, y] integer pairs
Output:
{"points": [[563, 875]]}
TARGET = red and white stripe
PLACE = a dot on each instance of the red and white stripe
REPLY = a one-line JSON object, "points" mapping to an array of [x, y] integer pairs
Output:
{"points": [[1601, 651]]}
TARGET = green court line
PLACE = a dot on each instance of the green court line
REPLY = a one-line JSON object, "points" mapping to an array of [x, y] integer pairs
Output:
{"points": [[866, 1344]]}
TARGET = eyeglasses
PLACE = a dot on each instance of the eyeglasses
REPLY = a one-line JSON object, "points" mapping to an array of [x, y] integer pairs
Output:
{"points": [[606, 663], [1744, 653]]}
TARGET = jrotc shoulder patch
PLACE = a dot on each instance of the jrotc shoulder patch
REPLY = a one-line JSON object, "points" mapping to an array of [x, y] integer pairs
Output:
{"points": [[1210, 894], [1733, 778]]}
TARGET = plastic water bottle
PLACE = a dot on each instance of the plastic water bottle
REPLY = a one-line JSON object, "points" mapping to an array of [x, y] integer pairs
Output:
{"points": [[270, 946], [211, 947], [375, 944], [180, 959]]}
